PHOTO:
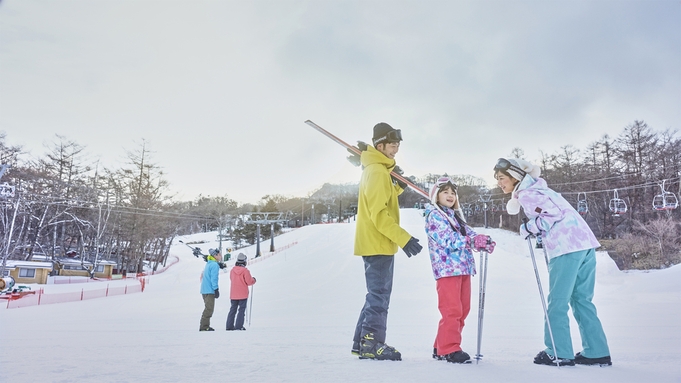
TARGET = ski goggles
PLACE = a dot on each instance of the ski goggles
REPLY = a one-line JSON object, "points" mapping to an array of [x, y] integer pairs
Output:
{"points": [[504, 165], [442, 181], [391, 136]]}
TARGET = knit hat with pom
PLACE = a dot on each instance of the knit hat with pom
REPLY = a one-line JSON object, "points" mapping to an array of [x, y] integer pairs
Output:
{"points": [[442, 181], [518, 169]]}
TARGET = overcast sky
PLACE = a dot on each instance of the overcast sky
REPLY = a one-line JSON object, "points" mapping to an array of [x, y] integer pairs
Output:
{"points": [[220, 89]]}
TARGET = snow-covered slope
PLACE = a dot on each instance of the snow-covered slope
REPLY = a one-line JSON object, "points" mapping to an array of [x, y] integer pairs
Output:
{"points": [[305, 305]]}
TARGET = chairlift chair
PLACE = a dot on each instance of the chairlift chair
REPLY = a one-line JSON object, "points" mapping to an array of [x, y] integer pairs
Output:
{"points": [[617, 205], [582, 205], [665, 201], [6, 191]]}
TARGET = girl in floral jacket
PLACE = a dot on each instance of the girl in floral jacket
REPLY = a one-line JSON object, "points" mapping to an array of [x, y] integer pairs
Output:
{"points": [[570, 245], [451, 256]]}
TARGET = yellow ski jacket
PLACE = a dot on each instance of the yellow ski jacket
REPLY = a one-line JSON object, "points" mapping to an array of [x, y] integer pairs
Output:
{"points": [[378, 230]]}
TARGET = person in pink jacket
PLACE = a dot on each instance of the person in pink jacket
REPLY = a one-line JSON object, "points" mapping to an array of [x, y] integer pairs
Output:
{"points": [[241, 278]]}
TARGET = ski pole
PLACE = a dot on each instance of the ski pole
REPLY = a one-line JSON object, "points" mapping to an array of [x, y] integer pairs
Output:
{"points": [[541, 295], [540, 245], [481, 300], [250, 309]]}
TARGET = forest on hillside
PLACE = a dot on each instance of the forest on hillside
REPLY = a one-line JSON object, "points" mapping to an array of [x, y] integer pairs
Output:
{"points": [[62, 205], [626, 187]]}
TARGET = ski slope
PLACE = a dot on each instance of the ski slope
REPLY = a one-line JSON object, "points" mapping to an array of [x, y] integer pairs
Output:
{"points": [[305, 306]]}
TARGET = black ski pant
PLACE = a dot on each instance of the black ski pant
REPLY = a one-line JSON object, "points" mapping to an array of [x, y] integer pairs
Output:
{"points": [[236, 304], [378, 273]]}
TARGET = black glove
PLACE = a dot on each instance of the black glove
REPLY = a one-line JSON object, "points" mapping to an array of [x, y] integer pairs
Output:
{"points": [[222, 265], [412, 247], [217, 293], [354, 158]]}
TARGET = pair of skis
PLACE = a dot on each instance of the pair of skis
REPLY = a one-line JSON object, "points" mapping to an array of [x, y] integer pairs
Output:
{"points": [[356, 150], [414, 187]]}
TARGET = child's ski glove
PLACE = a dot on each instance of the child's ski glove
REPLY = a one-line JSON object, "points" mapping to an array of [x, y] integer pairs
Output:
{"points": [[482, 242]]}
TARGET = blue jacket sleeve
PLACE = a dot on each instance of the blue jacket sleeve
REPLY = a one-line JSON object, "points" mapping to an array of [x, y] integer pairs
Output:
{"points": [[214, 271]]}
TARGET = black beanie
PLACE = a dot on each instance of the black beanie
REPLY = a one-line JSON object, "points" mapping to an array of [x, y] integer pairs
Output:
{"points": [[381, 130]]}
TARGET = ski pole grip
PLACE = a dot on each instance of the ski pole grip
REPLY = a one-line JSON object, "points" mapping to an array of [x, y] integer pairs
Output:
{"points": [[529, 233]]}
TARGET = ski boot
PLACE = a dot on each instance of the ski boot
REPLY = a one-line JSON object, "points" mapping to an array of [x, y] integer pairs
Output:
{"points": [[544, 358], [602, 361], [436, 356], [369, 348], [458, 357], [355, 349]]}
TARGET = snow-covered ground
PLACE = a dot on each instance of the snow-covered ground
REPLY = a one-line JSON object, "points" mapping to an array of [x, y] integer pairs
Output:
{"points": [[305, 306]]}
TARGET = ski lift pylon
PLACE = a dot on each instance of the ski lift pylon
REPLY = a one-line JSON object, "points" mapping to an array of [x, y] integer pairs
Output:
{"points": [[617, 205], [665, 201]]}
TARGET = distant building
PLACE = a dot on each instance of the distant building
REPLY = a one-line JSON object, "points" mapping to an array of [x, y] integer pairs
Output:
{"points": [[29, 271], [73, 268]]}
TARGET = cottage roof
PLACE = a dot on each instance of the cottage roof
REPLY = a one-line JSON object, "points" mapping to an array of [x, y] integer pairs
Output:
{"points": [[29, 265]]}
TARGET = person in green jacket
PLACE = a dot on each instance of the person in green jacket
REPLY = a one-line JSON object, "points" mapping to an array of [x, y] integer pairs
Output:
{"points": [[377, 237]]}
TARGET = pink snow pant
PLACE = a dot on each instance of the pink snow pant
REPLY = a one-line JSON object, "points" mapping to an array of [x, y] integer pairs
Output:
{"points": [[454, 302]]}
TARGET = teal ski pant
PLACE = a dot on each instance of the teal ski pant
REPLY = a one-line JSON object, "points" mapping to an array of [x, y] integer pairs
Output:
{"points": [[572, 277]]}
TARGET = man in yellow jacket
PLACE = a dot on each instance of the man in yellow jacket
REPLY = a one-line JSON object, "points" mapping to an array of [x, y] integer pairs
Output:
{"points": [[377, 237]]}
